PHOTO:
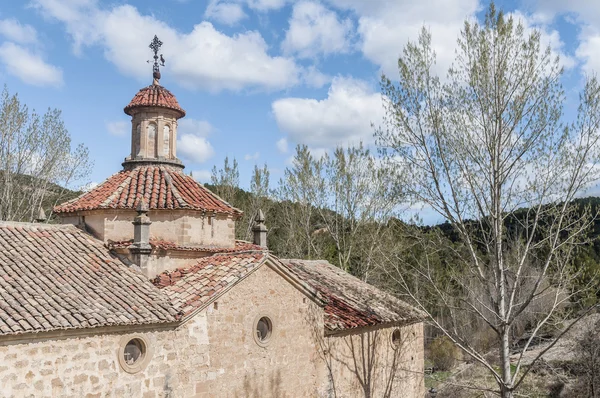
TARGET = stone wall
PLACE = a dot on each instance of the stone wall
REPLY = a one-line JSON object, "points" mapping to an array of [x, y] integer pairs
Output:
{"points": [[186, 228], [89, 366], [215, 354], [369, 364], [288, 366]]}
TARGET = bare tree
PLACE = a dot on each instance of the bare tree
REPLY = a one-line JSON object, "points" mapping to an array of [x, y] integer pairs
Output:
{"points": [[37, 163], [361, 198], [260, 198], [477, 146], [300, 189], [226, 180]]}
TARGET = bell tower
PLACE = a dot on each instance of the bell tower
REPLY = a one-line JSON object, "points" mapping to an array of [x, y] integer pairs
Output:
{"points": [[154, 114]]}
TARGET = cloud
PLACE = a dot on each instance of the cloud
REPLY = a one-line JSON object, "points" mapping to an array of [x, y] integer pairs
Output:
{"points": [[314, 78], [224, 12], [253, 156], [265, 5], [13, 30], [119, 128], [192, 142], [282, 145], [345, 116], [203, 58], [200, 128], [316, 30], [202, 176], [29, 66], [385, 27]]}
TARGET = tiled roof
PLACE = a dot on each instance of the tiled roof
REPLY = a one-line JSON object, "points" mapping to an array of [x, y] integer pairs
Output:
{"points": [[154, 95], [58, 277], [352, 303], [240, 246], [192, 287], [162, 187]]}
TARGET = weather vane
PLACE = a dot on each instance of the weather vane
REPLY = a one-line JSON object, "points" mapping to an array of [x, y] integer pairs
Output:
{"points": [[158, 62]]}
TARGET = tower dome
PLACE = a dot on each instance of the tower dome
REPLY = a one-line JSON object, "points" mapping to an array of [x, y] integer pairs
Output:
{"points": [[154, 95]]}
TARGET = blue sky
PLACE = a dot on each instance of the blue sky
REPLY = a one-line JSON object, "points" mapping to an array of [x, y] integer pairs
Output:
{"points": [[256, 77]]}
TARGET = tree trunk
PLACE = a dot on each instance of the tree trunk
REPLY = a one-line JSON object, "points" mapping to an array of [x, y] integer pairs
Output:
{"points": [[507, 382]]}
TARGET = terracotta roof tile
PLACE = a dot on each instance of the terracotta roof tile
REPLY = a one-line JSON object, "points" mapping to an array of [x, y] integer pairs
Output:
{"points": [[58, 277], [191, 287], [154, 95], [162, 187], [351, 303]]}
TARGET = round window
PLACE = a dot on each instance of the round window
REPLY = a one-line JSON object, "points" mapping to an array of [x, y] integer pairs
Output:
{"points": [[134, 353], [263, 329], [396, 338]]}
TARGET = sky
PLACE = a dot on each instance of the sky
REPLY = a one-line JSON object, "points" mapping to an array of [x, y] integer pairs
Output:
{"points": [[256, 77]]}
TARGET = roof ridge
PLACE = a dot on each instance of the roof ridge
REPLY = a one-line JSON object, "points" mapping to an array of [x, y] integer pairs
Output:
{"points": [[171, 186], [117, 191]]}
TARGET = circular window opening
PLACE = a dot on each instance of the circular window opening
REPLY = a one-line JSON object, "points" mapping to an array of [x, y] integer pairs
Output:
{"points": [[264, 328], [134, 351], [396, 338]]}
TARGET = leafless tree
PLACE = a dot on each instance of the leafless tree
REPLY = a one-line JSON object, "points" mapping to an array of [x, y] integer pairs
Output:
{"points": [[226, 180], [361, 198], [37, 163], [299, 190], [260, 198], [487, 140]]}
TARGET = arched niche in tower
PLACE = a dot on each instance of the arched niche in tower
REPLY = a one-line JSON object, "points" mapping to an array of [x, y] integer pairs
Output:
{"points": [[151, 152], [137, 139], [167, 141]]}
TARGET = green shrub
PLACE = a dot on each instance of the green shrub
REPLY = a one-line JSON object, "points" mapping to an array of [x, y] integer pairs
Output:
{"points": [[443, 353]]}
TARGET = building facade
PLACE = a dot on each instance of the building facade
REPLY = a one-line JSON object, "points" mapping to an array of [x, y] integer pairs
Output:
{"points": [[143, 291]]}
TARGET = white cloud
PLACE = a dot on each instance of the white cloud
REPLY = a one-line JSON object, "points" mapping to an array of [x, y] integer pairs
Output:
{"points": [[282, 145], [203, 58], [265, 5], [589, 49], [252, 156], [195, 149], [202, 176], [29, 66], [316, 30], [79, 17], [13, 30], [224, 12], [345, 116], [119, 128], [312, 77], [200, 128], [192, 142], [386, 26]]}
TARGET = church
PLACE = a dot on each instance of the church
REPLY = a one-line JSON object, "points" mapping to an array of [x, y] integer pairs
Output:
{"points": [[142, 290]]}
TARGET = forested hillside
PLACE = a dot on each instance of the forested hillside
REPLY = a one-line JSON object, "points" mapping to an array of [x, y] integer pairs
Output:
{"points": [[399, 239]]}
